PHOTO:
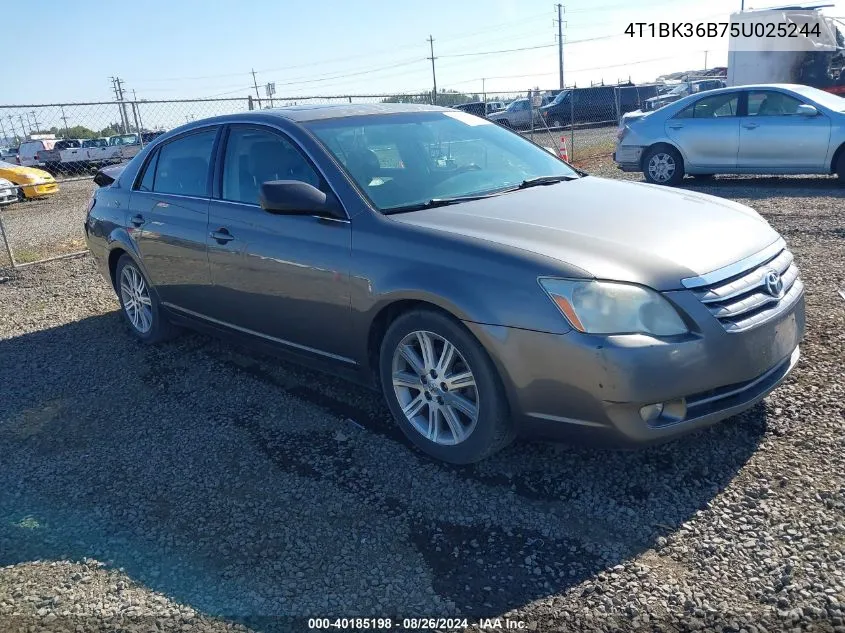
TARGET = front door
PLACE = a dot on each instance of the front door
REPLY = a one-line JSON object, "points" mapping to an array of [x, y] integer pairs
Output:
{"points": [[282, 277], [168, 218], [707, 132], [774, 136]]}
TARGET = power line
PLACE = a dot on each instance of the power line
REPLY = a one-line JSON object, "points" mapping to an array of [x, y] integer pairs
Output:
{"points": [[504, 50]]}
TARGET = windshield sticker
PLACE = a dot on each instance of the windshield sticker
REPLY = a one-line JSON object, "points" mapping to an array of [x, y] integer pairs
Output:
{"points": [[469, 119]]}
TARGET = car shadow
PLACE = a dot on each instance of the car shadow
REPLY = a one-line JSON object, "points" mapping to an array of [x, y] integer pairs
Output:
{"points": [[763, 187], [210, 475]]}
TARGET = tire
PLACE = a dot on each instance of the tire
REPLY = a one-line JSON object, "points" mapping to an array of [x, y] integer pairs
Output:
{"points": [[448, 432], [556, 123], [21, 194], [148, 323], [840, 167], [667, 168], [505, 123]]}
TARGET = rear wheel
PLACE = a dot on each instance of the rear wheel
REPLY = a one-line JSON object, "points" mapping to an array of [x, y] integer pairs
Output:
{"points": [[663, 165], [443, 389], [139, 304]]}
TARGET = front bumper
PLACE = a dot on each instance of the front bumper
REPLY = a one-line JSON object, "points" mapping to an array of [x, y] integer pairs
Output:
{"points": [[40, 190], [628, 157], [584, 385]]}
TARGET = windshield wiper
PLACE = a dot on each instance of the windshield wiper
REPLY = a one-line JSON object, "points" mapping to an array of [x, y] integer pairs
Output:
{"points": [[544, 180], [434, 203]]}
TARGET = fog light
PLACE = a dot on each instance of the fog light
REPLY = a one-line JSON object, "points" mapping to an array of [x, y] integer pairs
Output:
{"points": [[651, 412]]}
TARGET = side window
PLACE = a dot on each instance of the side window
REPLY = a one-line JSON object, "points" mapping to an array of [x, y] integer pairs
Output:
{"points": [[769, 103], [146, 183], [182, 165], [253, 156], [713, 107]]}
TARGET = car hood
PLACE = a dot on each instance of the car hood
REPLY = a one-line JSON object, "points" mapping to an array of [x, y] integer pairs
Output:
{"points": [[611, 229]]}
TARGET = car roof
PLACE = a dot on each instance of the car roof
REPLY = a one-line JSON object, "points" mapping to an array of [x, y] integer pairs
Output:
{"points": [[314, 112]]}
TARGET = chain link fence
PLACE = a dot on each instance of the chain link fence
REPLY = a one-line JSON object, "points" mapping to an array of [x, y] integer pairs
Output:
{"points": [[42, 212]]}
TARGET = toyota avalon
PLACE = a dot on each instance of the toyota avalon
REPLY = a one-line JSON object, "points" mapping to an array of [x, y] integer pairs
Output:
{"points": [[486, 287]]}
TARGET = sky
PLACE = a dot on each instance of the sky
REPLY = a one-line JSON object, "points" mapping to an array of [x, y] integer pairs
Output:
{"points": [[176, 49]]}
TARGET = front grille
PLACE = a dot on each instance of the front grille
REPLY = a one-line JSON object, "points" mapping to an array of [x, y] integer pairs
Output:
{"points": [[742, 301]]}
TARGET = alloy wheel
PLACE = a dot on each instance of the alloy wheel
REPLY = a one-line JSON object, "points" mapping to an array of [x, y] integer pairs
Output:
{"points": [[136, 299], [435, 387], [661, 167]]}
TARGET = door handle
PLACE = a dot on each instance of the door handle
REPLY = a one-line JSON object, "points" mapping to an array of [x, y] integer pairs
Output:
{"points": [[749, 126], [676, 127], [222, 235], [137, 220]]}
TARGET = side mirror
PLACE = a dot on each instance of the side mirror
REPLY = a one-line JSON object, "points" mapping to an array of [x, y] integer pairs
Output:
{"points": [[805, 109], [294, 197]]}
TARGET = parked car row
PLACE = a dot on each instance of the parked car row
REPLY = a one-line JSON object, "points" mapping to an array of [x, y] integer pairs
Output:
{"points": [[19, 183], [582, 105], [63, 155]]}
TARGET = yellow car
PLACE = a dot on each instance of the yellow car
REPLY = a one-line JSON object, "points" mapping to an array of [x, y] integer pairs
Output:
{"points": [[34, 183]]}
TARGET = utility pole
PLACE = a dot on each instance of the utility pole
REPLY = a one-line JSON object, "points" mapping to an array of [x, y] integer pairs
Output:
{"points": [[64, 118], [35, 119], [119, 83], [560, 42], [12, 124], [23, 129], [255, 83], [483, 90], [118, 96], [3, 130], [433, 74]]}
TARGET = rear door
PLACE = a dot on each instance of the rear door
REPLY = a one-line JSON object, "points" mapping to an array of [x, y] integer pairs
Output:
{"points": [[707, 131], [168, 217], [284, 278], [774, 136]]}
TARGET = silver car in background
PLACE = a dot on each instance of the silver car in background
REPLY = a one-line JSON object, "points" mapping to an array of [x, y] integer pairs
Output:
{"points": [[761, 129]]}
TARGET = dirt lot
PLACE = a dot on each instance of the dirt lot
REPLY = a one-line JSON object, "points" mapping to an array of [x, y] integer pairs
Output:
{"points": [[194, 486]]}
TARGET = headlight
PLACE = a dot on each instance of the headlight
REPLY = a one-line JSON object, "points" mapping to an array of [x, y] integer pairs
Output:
{"points": [[605, 307], [6, 183]]}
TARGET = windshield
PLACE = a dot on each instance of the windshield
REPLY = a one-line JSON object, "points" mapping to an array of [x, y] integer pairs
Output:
{"points": [[678, 90], [403, 159], [560, 97], [126, 139], [826, 99], [515, 105]]}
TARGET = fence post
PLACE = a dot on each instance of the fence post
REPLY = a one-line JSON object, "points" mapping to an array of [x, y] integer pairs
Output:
{"points": [[617, 95], [137, 124], [6, 242], [572, 124], [249, 102]]}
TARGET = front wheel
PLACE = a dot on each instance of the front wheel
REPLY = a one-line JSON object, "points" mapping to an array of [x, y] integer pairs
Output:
{"points": [[556, 123], [139, 303], [663, 165], [443, 389], [840, 168]]}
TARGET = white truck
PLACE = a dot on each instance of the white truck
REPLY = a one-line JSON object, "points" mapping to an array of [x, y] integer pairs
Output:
{"points": [[814, 57]]}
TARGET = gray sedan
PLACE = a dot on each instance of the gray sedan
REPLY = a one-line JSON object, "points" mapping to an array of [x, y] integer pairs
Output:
{"points": [[765, 129], [483, 285]]}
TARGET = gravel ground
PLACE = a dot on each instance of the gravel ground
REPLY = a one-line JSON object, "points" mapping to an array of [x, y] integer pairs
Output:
{"points": [[37, 229], [197, 487]]}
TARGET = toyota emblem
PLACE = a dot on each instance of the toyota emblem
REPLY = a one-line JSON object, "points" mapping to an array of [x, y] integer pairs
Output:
{"points": [[773, 283]]}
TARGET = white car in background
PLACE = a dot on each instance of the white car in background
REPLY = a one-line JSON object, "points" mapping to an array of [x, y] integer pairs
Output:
{"points": [[762, 129], [8, 192]]}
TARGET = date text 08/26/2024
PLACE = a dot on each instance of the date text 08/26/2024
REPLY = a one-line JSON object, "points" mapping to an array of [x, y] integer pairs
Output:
{"points": [[414, 624]]}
